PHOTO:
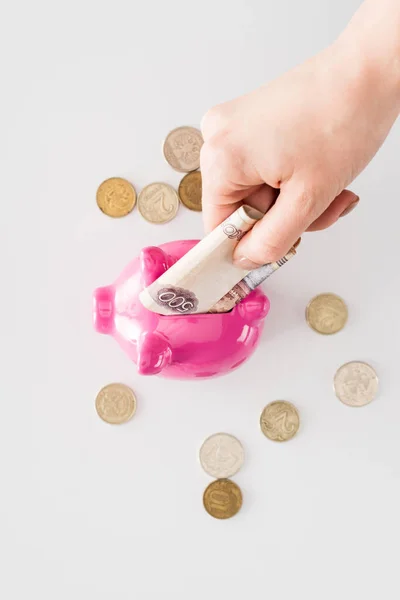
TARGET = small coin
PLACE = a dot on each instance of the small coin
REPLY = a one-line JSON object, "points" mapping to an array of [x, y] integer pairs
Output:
{"points": [[116, 197], [182, 149], [356, 383], [221, 455], [116, 403], [280, 421], [190, 190], [158, 203], [222, 499], [326, 313]]}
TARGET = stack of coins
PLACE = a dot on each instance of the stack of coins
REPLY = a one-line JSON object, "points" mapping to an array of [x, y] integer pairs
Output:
{"points": [[159, 202], [221, 455]]}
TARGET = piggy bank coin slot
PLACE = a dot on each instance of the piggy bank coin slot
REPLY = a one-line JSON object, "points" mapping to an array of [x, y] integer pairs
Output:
{"points": [[197, 315]]}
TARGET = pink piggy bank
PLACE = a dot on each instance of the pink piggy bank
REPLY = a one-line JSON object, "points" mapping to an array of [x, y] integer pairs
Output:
{"points": [[181, 346]]}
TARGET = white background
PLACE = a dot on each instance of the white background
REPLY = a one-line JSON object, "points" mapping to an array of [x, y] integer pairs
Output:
{"points": [[92, 511]]}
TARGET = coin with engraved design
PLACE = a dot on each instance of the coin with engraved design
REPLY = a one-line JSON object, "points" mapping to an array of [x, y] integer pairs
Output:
{"points": [[158, 203], [356, 383], [116, 403], [190, 189], [222, 499], [116, 197], [182, 149], [326, 313], [221, 455], [280, 421]]}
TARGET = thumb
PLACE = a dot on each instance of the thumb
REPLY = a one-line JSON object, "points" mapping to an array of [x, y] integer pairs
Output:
{"points": [[272, 236]]}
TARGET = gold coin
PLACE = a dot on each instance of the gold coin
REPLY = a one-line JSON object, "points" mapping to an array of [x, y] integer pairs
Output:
{"points": [[356, 383], [190, 190], [326, 313], [116, 403], [222, 499], [182, 149], [116, 197], [158, 203], [280, 421]]}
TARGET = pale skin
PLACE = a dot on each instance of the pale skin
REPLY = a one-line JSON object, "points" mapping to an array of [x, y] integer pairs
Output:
{"points": [[292, 147]]}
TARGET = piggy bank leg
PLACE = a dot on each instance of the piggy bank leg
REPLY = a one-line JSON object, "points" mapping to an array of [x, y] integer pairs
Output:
{"points": [[154, 353]]}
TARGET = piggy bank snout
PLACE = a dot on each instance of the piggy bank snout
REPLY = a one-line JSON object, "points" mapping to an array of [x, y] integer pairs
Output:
{"points": [[103, 309]]}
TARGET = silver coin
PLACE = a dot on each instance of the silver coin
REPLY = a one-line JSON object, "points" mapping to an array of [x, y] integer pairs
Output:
{"points": [[356, 383], [158, 202], [182, 149], [221, 455]]}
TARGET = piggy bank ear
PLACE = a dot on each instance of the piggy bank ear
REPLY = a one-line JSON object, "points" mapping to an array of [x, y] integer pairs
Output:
{"points": [[254, 308], [154, 353], [153, 263]]}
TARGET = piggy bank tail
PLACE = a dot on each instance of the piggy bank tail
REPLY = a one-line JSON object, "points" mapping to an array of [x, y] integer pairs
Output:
{"points": [[154, 353]]}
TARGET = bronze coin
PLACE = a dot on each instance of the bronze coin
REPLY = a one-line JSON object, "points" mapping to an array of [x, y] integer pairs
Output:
{"points": [[190, 190], [116, 197], [222, 499]]}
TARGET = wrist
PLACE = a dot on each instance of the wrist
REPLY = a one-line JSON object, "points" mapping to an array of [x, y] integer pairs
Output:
{"points": [[369, 50]]}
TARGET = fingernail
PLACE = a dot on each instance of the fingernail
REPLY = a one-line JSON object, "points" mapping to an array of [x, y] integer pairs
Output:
{"points": [[350, 208], [246, 264]]}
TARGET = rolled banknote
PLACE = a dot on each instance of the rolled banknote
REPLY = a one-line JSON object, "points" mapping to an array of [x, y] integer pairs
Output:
{"points": [[206, 273], [249, 283]]}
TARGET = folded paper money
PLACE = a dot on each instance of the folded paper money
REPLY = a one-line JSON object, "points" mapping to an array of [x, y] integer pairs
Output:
{"points": [[206, 273], [249, 283]]}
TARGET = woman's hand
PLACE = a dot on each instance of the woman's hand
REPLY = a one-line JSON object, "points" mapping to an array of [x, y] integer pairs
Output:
{"points": [[295, 145]]}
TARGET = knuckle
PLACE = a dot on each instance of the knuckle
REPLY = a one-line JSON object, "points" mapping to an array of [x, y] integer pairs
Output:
{"points": [[219, 143], [214, 120], [215, 153], [309, 200]]}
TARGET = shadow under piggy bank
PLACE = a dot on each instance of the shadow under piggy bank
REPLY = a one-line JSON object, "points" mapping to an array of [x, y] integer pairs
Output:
{"points": [[181, 346]]}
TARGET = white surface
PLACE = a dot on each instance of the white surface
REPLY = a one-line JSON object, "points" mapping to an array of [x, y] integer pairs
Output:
{"points": [[91, 511]]}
